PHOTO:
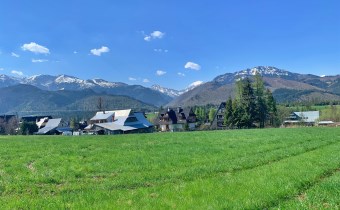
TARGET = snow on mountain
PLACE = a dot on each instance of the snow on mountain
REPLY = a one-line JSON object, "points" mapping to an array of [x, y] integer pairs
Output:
{"points": [[106, 84], [193, 85], [175, 93], [6, 81], [168, 91], [265, 71]]}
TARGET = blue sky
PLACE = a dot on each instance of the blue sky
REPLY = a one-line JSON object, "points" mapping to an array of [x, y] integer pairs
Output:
{"points": [[171, 43]]}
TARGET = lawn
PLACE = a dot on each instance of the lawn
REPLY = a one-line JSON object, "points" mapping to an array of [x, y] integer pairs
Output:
{"points": [[240, 169]]}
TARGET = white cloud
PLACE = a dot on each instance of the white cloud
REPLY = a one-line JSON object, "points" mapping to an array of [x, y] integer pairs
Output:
{"points": [[18, 73], [75, 52], [132, 79], [157, 34], [147, 38], [181, 74], [98, 52], [35, 48], [15, 55], [192, 65], [146, 80], [39, 60], [154, 35], [1, 69], [160, 72]]}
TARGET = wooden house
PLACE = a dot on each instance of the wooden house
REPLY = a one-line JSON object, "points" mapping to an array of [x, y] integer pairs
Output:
{"points": [[176, 119], [218, 121]]}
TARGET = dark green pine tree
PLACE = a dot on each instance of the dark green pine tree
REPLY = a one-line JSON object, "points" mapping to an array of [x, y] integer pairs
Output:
{"points": [[260, 101], [228, 114], [247, 103], [272, 109]]}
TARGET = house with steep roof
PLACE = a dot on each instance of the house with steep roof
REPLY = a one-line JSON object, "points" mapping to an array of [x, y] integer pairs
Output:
{"points": [[176, 119], [308, 118], [119, 122], [218, 121]]}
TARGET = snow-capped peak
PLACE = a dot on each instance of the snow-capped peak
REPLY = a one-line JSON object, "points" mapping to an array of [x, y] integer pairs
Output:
{"points": [[174, 93], [106, 84], [168, 91], [195, 84]]}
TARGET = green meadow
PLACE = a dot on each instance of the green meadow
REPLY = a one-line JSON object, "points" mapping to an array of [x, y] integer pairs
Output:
{"points": [[296, 168]]}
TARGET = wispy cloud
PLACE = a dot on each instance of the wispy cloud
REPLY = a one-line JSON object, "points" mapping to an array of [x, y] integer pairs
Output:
{"points": [[98, 52], [18, 73], [1, 69], [15, 55], [160, 50], [181, 74], [192, 65], [75, 52], [154, 35], [39, 60], [132, 79], [146, 80], [160, 72], [35, 48]]}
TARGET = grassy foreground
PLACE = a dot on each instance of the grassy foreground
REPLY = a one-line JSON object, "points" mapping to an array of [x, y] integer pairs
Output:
{"points": [[241, 169]]}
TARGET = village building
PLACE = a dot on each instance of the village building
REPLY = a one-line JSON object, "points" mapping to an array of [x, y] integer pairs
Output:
{"points": [[308, 118], [119, 122], [218, 121], [52, 127], [176, 119]]}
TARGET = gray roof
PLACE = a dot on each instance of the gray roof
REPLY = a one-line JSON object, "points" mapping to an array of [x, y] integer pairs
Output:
{"points": [[141, 118], [310, 116], [102, 115], [50, 125]]}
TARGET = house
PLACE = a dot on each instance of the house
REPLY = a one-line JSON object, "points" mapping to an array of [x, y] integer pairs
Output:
{"points": [[309, 118], [174, 119], [53, 126], [119, 122], [218, 121]]}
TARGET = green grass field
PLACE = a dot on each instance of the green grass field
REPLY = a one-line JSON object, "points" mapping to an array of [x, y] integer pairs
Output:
{"points": [[240, 169]]}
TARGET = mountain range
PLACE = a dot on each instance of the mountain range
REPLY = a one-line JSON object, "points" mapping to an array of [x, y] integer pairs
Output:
{"points": [[64, 90], [65, 82], [286, 87]]}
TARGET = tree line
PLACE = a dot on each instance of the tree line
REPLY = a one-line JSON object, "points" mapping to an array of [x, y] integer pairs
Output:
{"points": [[253, 105]]}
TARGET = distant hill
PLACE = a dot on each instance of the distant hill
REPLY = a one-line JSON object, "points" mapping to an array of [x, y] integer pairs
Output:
{"points": [[27, 99], [285, 85]]}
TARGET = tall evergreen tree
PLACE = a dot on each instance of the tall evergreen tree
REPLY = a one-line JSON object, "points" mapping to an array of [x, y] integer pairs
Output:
{"points": [[272, 109], [247, 104], [260, 102], [228, 114]]}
